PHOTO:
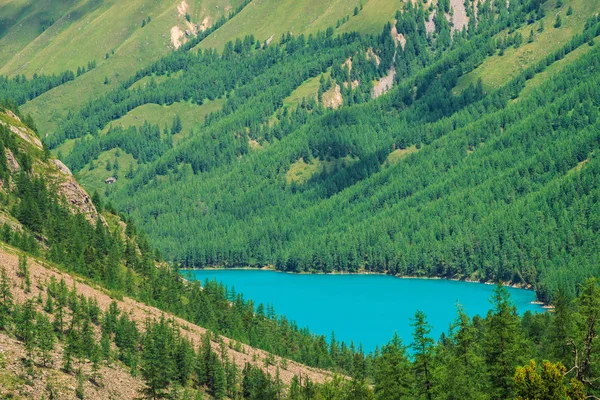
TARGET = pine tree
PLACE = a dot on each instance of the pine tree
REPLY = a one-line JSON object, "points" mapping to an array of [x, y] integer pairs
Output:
{"points": [[24, 272], [87, 339], [62, 297], [392, 371], [155, 363], [176, 126], [96, 358], [232, 376], [423, 355], [25, 327], [502, 341], [80, 390], [6, 300], [561, 327], [219, 388], [184, 360], [558, 22], [105, 348], [70, 350], [585, 345], [49, 306], [45, 339], [461, 367], [97, 201]]}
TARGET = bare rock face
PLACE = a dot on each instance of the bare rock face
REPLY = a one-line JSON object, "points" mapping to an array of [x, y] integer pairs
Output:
{"points": [[12, 162], [78, 198], [12, 115], [62, 167], [14, 225], [333, 98], [22, 132]]}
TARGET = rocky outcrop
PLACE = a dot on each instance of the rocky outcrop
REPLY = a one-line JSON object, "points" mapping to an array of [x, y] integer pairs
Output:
{"points": [[62, 167], [78, 198], [333, 98], [13, 164]]}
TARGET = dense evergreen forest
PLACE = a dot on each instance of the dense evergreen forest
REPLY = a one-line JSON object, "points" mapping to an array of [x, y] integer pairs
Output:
{"points": [[471, 160]]}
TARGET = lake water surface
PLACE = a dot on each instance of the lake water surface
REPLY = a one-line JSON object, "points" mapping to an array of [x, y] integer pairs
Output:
{"points": [[366, 309]]}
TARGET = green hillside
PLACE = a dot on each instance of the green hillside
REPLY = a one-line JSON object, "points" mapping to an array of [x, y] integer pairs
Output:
{"points": [[449, 139], [261, 170], [109, 33]]}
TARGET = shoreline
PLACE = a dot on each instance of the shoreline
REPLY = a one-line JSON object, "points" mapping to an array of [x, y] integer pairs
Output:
{"points": [[544, 305]]}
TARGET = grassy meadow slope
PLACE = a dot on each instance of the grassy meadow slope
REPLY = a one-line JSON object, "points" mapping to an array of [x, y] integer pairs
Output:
{"points": [[114, 29], [271, 18], [71, 42]]}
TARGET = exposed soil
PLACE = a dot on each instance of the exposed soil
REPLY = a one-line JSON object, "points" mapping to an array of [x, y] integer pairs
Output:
{"points": [[459, 18], [177, 35], [116, 383], [333, 98], [23, 134], [254, 145], [12, 162], [206, 23], [78, 198], [182, 8], [372, 56], [354, 84], [399, 38], [429, 24], [348, 63], [384, 84]]}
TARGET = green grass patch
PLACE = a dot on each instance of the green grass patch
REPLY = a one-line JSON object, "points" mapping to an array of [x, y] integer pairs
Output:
{"points": [[555, 68], [112, 27], [301, 171], [371, 19], [191, 115], [142, 83], [66, 147], [307, 89], [9, 383], [395, 156], [92, 179], [268, 18]]}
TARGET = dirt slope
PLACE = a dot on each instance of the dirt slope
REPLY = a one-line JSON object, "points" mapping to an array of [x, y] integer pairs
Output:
{"points": [[118, 382]]}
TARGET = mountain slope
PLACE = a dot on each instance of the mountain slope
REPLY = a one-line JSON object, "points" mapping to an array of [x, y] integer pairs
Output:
{"points": [[72, 268], [117, 381], [105, 33], [291, 166]]}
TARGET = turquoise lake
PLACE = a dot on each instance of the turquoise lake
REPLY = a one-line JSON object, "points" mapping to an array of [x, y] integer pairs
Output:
{"points": [[366, 309]]}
